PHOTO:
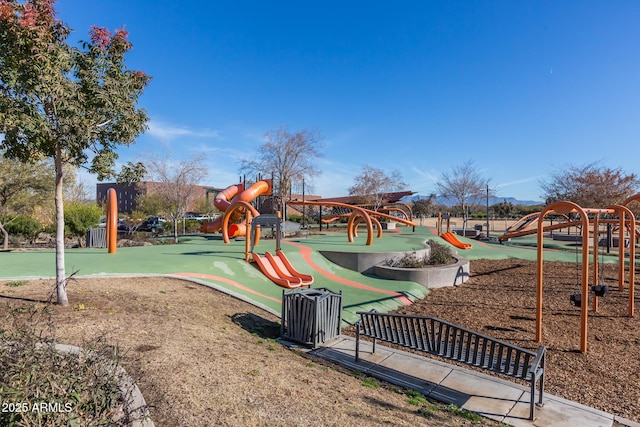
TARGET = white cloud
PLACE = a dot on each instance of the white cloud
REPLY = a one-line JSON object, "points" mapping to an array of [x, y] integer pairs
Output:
{"points": [[168, 132], [424, 175], [518, 182]]}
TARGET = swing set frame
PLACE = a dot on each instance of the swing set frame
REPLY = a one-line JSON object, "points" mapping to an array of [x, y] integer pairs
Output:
{"points": [[588, 226]]}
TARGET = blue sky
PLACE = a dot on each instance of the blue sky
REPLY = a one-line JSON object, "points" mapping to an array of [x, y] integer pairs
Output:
{"points": [[522, 88]]}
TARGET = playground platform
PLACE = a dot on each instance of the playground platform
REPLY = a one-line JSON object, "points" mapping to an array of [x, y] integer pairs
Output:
{"points": [[492, 397]]}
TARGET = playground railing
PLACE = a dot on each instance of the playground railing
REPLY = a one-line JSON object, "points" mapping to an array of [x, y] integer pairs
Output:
{"points": [[440, 338]]}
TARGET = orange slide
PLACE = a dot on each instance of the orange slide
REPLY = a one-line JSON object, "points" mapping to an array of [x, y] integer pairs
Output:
{"points": [[280, 271], [231, 194], [451, 238]]}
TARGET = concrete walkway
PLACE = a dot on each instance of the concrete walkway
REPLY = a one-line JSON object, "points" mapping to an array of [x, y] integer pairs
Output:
{"points": [[489, 396]]}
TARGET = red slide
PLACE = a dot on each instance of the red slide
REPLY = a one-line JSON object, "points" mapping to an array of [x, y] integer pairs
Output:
{"points": [[268, 270], [280, 271], [282, 263], [451, 238]]}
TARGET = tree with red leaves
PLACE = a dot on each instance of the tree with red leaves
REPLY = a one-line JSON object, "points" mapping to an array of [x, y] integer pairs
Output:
{"points": [[72, 105]]}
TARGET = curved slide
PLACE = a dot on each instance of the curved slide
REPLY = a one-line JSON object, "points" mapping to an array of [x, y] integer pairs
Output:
{"points": [[279, 270], [280, 258], [231, 194], [527, 221], [451, 238]]}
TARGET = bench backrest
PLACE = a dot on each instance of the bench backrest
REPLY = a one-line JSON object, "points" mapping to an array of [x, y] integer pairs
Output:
{"points": [[444, 339]]}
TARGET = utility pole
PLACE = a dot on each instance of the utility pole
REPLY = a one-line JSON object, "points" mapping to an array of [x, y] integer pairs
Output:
{"points": [[487, 210]]}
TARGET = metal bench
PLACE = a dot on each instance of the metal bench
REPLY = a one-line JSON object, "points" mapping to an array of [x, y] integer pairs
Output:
{"points": [[440, 338]]}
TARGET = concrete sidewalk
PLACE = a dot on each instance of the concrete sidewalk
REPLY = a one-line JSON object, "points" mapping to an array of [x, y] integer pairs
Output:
{"points": [[489, 396]]}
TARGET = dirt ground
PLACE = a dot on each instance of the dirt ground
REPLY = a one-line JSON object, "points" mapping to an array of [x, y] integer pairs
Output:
{"points": [[499, 300], [203, 358]]}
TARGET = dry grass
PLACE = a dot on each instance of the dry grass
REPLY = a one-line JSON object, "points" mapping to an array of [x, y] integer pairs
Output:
{"points": [[202, 358]]}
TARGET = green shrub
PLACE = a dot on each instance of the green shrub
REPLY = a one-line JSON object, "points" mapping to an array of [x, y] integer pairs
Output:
{"points": [[22, 225], [295, 218], [79, 217], [440, 254], [409, 260]]}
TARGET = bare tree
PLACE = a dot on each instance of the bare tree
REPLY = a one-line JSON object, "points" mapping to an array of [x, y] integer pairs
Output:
{"points": [[464, 184], [373, 185], [176, 185], [75, 189], [288, 156], [591, 185]]}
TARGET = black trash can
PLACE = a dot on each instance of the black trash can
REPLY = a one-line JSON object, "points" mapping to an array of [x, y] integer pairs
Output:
{"points": [[311, 316]]}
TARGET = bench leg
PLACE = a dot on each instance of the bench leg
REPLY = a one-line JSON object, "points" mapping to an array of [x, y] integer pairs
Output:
{"points": [[541, 390], [357, 344], [532, 400]]}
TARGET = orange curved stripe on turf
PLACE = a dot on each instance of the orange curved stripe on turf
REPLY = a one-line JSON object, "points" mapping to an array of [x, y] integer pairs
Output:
{"points": [[228, 282], [306, 254]]}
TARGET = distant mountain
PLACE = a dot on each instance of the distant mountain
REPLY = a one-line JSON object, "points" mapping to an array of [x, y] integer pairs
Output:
{"points": [[449, 201]]}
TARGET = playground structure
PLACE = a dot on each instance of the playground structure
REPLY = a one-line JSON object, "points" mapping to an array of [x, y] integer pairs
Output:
{"points": [[588, 221], [112, 221], [236, 203], [448, 235], [528, 224], [406, 213], [357, 216], [231, 195], [342, 210], [276, 267]]}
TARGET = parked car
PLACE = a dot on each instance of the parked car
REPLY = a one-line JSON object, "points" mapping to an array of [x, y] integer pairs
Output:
{"points": [[193, 216], [154, 224], [121, 224]]}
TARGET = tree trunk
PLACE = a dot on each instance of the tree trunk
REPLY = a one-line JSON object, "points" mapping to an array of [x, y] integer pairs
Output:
{"points": [[61, 280], [5, 242], [175, 231], [464, 219]]}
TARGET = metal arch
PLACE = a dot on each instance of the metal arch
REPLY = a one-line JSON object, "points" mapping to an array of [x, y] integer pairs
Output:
{"points": [[564, 207], [235, 206]]}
